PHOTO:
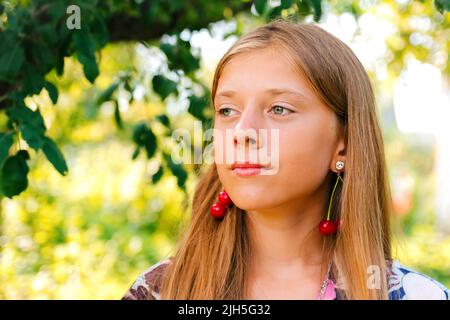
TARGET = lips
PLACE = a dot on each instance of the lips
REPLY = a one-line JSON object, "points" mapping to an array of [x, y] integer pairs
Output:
{"points": [[246, 165], [247, 169]]}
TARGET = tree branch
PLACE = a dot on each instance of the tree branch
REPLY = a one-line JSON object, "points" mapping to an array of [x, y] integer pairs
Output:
{"points": [[123, 27]]}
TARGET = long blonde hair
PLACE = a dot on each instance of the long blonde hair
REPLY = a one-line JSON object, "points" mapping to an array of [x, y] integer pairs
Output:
{"points": [[211, 260]]}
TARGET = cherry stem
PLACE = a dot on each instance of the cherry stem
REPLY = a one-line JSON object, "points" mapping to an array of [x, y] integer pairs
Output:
{"points": [[332, 194]]}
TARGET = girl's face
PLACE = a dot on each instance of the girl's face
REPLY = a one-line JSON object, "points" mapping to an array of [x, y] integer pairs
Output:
{"points": [[261, 90]]}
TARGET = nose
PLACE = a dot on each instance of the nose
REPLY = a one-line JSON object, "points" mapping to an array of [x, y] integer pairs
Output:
{"points": [[241, 137], [247, 130]]}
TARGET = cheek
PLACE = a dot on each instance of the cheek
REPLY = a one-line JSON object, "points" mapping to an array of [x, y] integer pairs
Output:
{"points": [[305, 155], [223, 145], [308, 145]]}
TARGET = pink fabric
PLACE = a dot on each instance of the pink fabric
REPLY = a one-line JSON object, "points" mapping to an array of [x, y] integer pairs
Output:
{"points": [[330, 292]]}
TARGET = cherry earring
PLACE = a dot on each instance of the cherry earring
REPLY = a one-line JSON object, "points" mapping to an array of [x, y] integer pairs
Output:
{"points": [[219, 208], [328, 227]]}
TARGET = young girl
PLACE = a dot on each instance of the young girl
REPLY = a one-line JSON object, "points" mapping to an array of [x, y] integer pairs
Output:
{"points": [[311, 220]]}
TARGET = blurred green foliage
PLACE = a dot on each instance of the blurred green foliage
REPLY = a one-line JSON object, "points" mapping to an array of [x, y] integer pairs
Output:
{"points": [[87, 235]]}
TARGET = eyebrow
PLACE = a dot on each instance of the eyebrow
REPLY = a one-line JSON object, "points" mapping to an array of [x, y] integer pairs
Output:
{"points": [[272, 91]]}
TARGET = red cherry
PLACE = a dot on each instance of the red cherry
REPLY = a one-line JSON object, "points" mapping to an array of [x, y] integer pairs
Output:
{"points": [[217, 210], [327, 227], [225, 199]]}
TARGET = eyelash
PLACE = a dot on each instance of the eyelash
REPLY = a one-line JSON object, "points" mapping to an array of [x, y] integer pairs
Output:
{"points": [[289, 110], [220, 111]]}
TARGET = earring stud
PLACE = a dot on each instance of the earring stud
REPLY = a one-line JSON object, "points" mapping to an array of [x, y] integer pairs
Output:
{"points": [[339, 165]]}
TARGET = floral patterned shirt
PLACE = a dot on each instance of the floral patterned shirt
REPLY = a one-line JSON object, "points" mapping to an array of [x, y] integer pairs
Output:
{"points": [[407, 284], [404, 284]]}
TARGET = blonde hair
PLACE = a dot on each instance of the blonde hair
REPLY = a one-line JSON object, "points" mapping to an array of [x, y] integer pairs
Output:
{"points": [[210, 262]]}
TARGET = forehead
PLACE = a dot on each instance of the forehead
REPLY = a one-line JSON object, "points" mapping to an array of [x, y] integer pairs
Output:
{"points": [[261, 70]]}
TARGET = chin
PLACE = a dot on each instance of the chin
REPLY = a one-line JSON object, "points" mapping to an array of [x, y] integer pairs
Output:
{"points": [[250, 201]]}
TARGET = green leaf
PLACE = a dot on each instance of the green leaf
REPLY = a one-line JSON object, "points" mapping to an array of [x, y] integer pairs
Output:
{"points": [[117, 117], [164, 119], [14, 174], [144, 137], [304, 7], [317, 7], [442, 5], [86, 47], [177, 170], [157, 176], [52, 91], [47, 32], [44, 53], [6, 141], [197, 106], [274, 12], [33, 80], [260, 6], [56, 11], [24, 154], [84, 42], [17, 18], [100, 27], [31, 125], [179, 56], [286, 4], [55, 156], [32, 136], [60, 65], [163, 86], [12, 58], [62, 51], [107, 94], [136, 153], [90, 67]]}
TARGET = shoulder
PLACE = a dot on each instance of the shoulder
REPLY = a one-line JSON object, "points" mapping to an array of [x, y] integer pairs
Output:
{"points": [[148, 283], [408, 284]]}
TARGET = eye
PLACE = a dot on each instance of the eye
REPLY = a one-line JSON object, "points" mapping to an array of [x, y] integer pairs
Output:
{"points": [[278, 110], [225, 112]]}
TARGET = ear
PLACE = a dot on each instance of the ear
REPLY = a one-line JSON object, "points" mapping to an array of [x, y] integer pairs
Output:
{"points": [[340, 154]]}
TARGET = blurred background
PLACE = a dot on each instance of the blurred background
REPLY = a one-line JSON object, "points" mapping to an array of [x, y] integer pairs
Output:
{"points": [[90, 196]]}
